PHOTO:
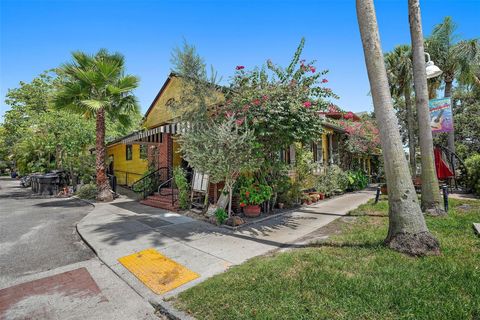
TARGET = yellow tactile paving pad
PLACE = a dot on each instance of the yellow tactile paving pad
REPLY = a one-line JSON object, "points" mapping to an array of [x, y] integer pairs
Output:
{"points": [[156, 271]]}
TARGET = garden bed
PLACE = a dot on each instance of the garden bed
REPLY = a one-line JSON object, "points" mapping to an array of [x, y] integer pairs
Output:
{"points": [[353, 275]]}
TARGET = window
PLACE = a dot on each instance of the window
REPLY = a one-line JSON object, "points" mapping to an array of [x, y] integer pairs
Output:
{"points": [[316, 149], [287, 155], [143, 151], [128, 152]]}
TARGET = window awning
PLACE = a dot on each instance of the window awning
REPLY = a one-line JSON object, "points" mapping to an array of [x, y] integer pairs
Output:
{"points": [[153, 135]]}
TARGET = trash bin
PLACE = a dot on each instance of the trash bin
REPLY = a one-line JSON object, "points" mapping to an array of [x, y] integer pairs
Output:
{"points": [[48, 184], [34, 183]]}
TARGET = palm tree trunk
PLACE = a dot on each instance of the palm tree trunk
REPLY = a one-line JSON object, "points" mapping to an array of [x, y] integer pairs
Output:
{"points": [[103, 187], [407, 230], [431, 202], [451, 134], [411, 131]]}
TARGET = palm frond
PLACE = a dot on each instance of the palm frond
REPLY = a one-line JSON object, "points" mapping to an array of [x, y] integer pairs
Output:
{"points": [[94, 105]]}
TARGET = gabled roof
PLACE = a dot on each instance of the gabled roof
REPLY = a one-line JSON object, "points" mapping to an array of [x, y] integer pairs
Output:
{"points": [[162, 89]]}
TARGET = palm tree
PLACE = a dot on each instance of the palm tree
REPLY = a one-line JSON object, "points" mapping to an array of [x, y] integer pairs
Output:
{"points": [[407, 230], [455, 58], [95, 85], [431, 201], [399, 68]]}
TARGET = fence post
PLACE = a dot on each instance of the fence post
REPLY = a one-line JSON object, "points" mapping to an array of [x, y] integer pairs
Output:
{"points": [[445, 197], [377, 196]]}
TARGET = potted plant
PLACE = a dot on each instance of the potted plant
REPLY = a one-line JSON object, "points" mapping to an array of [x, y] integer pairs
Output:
{"points": [[251, 196], [306, 199], [384, 189], [321, 196]]}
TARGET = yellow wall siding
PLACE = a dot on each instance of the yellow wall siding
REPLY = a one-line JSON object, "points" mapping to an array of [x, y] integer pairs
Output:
{"points": [[177, 157], [161, 114], [325, 147], [127, 171]]}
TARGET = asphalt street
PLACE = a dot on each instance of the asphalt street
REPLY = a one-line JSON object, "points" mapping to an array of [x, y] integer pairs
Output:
{"points": [[37, 233], [47, 272]]}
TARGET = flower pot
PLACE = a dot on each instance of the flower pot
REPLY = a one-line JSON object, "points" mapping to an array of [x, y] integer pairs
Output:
{"points": [[321, 196], [251, 211], [384, 189]]}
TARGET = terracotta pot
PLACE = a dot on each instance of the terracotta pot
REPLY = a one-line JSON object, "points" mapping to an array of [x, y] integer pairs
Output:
{"points": [[384, 189], [252, 211], [321, 196]]}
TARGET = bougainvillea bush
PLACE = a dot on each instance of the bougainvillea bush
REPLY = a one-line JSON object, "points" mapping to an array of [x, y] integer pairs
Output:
{"points": [[280, 104], [282, 107], [363, 136]]}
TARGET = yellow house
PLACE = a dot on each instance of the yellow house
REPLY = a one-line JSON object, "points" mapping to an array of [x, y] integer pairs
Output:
{"points": [[156, 147]]}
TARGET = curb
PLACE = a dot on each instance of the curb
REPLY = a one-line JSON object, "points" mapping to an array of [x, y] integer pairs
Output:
{"points": [[162, 307]]}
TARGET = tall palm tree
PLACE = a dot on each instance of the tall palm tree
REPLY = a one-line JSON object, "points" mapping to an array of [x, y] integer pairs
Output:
{"points": [[399, 70], [95, 85], [407, 231], [454, 57], [431, 201]]}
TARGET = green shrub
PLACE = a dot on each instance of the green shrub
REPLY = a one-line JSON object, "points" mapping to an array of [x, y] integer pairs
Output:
{"points": [[473, 171], [254, 193], [221, 215], [183, 187], [87, 191], [357, 180], [335, 180]]}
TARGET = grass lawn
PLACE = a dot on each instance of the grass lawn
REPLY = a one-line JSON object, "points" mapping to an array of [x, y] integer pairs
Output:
{"points": [[353, 276]]}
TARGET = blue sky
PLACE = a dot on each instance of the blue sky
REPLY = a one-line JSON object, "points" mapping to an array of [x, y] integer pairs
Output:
{"points": [[38, 35]]}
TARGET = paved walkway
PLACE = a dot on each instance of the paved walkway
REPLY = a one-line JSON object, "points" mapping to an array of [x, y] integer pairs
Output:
{"points": [[124, 227]]}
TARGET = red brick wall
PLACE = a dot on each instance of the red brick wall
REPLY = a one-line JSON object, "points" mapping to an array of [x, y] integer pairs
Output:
{"points": [[162, 150]]}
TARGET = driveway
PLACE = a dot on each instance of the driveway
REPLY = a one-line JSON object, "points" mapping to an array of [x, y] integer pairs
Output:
{"points": [[47, 272]]}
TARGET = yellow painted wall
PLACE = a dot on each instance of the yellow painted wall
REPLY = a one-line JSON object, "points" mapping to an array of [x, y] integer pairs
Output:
{"points": [[177, 157], [161, 113], [127, 171]]}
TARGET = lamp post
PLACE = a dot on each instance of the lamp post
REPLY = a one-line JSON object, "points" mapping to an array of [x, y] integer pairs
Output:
{"points": [[431, 69]]}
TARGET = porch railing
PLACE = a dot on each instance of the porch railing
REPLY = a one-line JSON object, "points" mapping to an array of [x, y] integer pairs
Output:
{"points": [[148, 184]]}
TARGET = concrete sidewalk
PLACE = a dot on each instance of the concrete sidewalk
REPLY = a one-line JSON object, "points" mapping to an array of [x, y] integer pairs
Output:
{"points": [[124, 227]]}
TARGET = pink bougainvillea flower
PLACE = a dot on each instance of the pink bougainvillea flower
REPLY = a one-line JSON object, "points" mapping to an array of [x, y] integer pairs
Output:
{"points": [[245, 108], [324, 80], [239, 122], [229, 114], [307, 104], [348, 115], [256, 102], [265, 98], [312, 69], [242, 204], [239, 67]]}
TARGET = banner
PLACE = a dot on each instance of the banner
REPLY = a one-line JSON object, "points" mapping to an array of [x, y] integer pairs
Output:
{"points": [[441, 117]]}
